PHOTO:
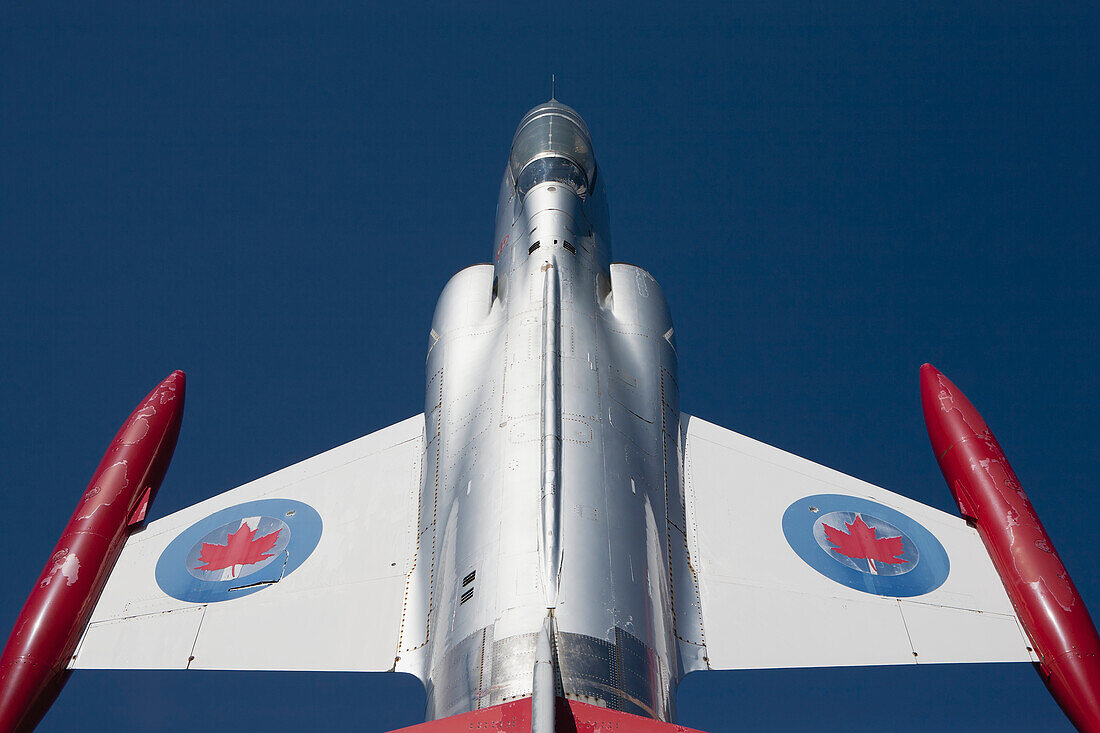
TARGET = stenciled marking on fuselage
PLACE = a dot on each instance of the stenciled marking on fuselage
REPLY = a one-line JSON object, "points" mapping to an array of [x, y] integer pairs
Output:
{"points": [[865, 545], [239, 550]]}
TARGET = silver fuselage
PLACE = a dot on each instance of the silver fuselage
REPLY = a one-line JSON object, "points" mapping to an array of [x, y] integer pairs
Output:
{"points": [[551, 475]]}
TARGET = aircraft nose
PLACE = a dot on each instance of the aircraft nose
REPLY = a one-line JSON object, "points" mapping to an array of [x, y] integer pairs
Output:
{"points": [[552, 143]]}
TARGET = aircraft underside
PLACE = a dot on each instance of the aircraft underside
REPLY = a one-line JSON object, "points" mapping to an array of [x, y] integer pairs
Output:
{"points": [[552, 544]]}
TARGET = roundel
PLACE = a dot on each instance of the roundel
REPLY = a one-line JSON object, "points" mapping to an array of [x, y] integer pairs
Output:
{"points": [[238, 551], [865, 545]]}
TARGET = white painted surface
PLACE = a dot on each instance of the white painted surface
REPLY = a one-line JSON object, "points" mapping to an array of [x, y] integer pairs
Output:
{"points": [[153, 641], [341, 610], [939, 633], [763, 606]]}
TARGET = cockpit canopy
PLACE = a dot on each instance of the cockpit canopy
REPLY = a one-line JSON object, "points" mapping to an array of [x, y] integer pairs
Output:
{"points": [[552, 144]]}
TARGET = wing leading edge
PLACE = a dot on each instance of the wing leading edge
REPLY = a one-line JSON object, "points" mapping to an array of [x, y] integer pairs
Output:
{"points": [[302, 569], [802, 566]]}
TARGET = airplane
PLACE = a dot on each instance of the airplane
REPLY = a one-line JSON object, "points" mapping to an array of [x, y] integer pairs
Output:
{"points": [[551, 544]]}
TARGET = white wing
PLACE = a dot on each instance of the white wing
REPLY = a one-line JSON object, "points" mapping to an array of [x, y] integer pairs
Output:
{"points": [[763, 605], [338, 608]]}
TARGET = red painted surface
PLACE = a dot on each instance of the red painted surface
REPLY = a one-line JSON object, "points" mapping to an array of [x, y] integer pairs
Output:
{"points": [[860, 543], [570, 716], [1045, 598], [142, 507], [239, 549], [34, 661]]}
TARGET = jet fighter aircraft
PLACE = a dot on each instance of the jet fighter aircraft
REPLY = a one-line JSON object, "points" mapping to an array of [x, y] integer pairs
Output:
{"points": [[551, 544]]}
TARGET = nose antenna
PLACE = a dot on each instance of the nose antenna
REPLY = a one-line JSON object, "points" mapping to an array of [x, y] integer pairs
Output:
{"points": [[553, 84]]}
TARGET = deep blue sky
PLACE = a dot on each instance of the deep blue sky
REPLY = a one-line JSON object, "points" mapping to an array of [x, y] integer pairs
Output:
{"points": [[271, 197]]}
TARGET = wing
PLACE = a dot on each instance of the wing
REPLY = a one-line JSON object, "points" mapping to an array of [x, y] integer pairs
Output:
{"points": [[303, 569], [802, 566]]}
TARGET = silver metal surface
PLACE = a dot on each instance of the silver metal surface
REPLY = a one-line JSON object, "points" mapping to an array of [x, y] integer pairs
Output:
{"points": [[543, 692], [551, 472], [550, 499]]}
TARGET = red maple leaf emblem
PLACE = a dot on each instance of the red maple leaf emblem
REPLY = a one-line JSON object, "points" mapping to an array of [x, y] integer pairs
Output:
{"points": [[860, 543], [239, 549]]}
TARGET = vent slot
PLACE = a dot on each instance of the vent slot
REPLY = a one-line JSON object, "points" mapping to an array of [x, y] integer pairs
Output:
{"points": [[469, 578], [532, 248], [255, 585], [571, 248], [467, 595]]}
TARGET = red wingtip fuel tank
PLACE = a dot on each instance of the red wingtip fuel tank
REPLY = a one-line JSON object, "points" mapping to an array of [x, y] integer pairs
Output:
{"points": [[34, 664], [989, 494]]}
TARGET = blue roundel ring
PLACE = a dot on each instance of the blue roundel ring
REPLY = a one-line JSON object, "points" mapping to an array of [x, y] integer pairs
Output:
{"points": [[865, 545], [239, 551]]}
